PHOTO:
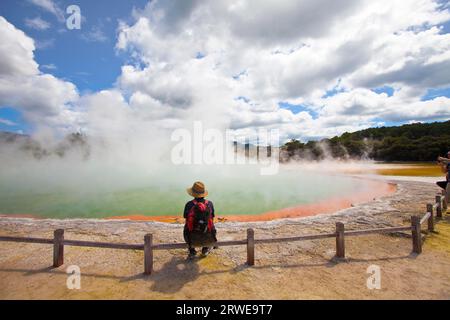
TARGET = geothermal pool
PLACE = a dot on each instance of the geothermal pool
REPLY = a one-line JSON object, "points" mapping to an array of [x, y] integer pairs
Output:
{"points": [[240, 195]]}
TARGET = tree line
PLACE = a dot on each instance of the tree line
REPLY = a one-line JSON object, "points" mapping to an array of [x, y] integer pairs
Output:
{"points": [[411, 142]]}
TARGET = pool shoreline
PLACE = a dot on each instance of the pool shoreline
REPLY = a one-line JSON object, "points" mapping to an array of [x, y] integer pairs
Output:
{"points": [[368, 211], [326, 206]]}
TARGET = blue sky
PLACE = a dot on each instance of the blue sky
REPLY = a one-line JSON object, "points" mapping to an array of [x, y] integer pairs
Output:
{"points": [[89, 62], [85, 57]]}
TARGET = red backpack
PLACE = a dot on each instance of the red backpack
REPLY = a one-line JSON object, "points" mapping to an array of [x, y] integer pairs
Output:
{"points": [[199, 218]]}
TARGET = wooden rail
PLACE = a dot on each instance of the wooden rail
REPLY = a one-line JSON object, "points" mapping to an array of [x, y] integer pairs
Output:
{"points": [[79, 243], [29, 240], [148, 247], [425, 217]]}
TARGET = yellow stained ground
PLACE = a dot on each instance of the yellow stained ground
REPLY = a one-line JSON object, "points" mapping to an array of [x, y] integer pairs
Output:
{"points": [[412, 170]]}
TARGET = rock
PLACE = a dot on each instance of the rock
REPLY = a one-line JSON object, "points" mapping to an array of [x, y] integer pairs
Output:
{"points": [[276, 269]]}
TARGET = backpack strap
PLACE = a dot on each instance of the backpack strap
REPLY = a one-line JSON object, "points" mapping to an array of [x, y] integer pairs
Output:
{"points": [[190, 216]]}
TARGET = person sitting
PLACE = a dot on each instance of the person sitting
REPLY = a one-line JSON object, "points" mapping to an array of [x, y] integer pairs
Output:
{"points": [[445, 167], [199, 229]]}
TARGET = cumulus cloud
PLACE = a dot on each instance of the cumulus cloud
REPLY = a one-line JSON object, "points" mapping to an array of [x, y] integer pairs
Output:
{"points": [[43, 99], [273, 22], [16, 51], [296, 52], [363, 105], [418, 59], [230, 63]]}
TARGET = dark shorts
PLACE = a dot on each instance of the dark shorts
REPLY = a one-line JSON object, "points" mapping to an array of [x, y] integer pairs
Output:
{"points": [[442, 184], [194, 239]]}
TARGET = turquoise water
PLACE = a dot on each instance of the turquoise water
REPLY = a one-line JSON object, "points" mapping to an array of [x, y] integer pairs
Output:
{"points": [[88, 196]]}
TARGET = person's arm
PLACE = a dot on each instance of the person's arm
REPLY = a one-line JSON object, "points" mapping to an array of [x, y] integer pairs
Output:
{"points": [[443, 163], [212, 208], [187, 208], [444, 160]]}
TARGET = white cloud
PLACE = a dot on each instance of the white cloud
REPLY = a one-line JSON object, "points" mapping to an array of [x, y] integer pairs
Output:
{"points": [[7, 122], [231, 62], [37, 23], [16, 51], [362, 105], [50, 6], [417, 59], [43, 99], [96, 34], [45, 43], [50, 66], [292, 51]]}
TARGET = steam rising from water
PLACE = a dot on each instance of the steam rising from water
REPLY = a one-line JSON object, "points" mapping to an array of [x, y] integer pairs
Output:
{"points": [[122, 176]]}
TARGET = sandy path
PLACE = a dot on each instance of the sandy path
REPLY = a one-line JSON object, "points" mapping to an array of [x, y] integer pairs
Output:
{"points": [[302, 270]]}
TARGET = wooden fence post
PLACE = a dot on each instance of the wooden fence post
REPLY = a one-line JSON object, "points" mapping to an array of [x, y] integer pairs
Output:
{"points": [[340, 243], [439, 207], [431, 218], [269, 151], [148, 253], [247, 149], [416, 235], [257, 149], [250, 247], [446, 195], [58, 248]]}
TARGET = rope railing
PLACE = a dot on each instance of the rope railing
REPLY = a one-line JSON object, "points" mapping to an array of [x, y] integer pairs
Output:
{"points": [[148, 247]]}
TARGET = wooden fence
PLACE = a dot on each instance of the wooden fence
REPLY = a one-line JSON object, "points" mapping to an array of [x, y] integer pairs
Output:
{"points": [[433, 211]]}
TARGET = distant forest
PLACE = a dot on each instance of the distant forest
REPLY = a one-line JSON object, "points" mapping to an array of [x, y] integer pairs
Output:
{"points": [[412, 142]]}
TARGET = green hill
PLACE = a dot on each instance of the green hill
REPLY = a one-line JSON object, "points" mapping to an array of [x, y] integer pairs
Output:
{"points": [[412, 142]]}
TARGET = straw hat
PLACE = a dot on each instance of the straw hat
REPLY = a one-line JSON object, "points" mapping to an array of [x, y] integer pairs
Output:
{"points": [[197, 190]]}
